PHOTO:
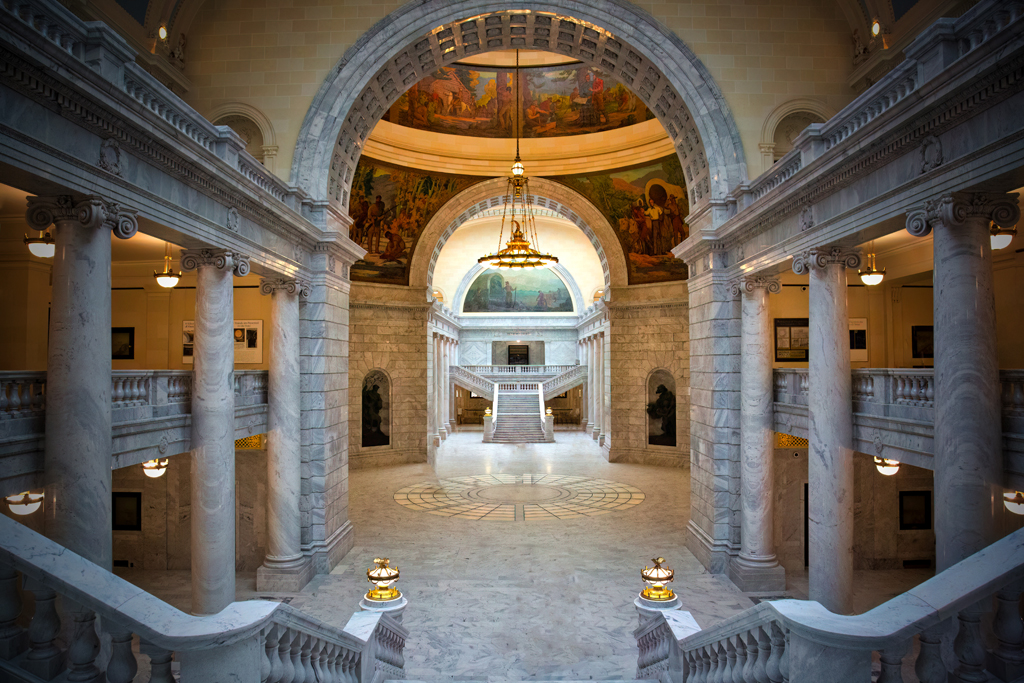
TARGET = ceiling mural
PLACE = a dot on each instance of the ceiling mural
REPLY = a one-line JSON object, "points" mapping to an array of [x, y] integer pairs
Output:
{"points": [[554, 101], [523, 291], [647, 207], [390, 207]]}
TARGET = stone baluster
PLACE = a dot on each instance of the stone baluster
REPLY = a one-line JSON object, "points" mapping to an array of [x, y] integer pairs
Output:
{"points": [[77, 473], [891, 660], [122, 666], [299, 675], [968, 431], [764, 647], [830, 409], [1007, 660], [213, 428], [969, 646], [756, 568], [748, 669], [84, 647], [287, 671], [272, 656], [159, 663], [11, 635], [730, 661], [44, 659], [929, 666], [284, 568], [784, 662], [773, 667], [306, 655], [741, 660]]}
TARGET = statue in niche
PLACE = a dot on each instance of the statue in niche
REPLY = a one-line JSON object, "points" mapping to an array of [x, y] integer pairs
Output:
{"points": [[664, 409], [373, 409]]}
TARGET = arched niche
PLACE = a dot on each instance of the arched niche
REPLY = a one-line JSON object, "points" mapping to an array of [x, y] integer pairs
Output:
{"points": [[375, 425], [783, 120], [547, 195], [253, 126], [557, 271], [662, 413], [615, 36]]}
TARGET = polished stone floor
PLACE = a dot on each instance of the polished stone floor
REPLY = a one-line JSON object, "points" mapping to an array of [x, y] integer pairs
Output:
{"points": [[500, 599]]}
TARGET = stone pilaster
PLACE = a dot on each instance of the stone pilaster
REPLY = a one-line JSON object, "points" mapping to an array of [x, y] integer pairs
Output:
{"points": [[756, 569], [830, 409], [78, 409], [285, 567], [213, 427], [968, 434]]}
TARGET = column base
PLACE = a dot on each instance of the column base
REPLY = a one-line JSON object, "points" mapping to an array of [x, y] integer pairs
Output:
{"points": [[436, 440], [284, 577], [713, 554], [757, 577], [595, 433], [325, 555], [443, 433]]}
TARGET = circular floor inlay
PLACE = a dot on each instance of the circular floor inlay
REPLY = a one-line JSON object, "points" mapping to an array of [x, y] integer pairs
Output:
{"points": [[521, 497]]}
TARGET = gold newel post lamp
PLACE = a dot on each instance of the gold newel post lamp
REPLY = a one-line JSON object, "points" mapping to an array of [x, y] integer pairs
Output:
{"points": [[656, 577], [383, 577]]}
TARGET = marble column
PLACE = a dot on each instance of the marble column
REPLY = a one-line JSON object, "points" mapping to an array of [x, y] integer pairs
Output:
{"points": [[442, 403], [968, 459], [213, 428], [431, 390], [830, 409], [598, 388], [438, 400], [591, 381], [756, 569], [585, 396], [77, 450], [284, 569], [449, 348]]}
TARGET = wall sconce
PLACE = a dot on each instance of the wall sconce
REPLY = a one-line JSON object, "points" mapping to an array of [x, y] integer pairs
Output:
{"points": [[1014, 502], [382, 576], [162, 33], [656, 577], [24, 503], [155, 468], [876, 27], [886, 466], [999, 237], [168, 278], [42, 246]]}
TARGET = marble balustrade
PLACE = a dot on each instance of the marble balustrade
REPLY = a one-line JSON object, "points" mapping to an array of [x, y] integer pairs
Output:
{"points": [[252, 642], [801, 642]]}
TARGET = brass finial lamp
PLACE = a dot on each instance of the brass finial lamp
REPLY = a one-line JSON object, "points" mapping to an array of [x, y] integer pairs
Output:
{"points": [[656, 577], [523, 248], [382, 576]]}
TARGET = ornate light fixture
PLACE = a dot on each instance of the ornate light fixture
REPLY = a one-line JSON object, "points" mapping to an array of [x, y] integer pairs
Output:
{"points": [[871, 275], [42, 246], [168, 278], [382, 576], [1001, 237], [1014, 502], [656, 577], [886, 466], [24, 503], [523, 248], [155, 468]]}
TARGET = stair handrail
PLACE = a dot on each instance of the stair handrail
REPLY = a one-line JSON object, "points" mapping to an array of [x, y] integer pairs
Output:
{"points": [[564, 380], [474, 381], [126, 609], [834, 647]]}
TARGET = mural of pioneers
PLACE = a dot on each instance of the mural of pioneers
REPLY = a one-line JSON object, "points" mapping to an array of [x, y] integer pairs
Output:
{"points": [[563, 100], [647, 207], [390, 206], [536, 290]]}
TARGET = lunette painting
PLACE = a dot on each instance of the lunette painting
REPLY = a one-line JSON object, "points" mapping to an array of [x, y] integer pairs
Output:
{"points": [[553, 101], [525, 291]]}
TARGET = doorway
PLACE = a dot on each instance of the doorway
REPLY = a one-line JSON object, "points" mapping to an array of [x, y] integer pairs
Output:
{"points": [[518, 354]]}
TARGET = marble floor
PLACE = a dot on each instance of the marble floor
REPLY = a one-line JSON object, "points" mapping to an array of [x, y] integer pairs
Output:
{"points": [[514, 598]]}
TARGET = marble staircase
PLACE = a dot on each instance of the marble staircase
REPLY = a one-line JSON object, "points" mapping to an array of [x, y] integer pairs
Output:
{"points": [[519, 417]]}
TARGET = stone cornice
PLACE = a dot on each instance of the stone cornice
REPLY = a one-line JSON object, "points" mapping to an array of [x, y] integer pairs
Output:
{"points": [[221, 259], [287, 285], [955, 208], [614, 307]]}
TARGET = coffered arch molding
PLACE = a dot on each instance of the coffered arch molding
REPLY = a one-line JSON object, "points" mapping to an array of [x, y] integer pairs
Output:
{"points": [[614, 35], [490, 195]]}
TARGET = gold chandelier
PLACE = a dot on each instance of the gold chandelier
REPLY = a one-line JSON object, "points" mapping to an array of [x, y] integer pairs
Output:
{"points": [[518, 251]]}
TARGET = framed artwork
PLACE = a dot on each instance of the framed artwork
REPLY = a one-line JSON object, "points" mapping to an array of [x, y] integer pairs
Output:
{"points": [[915, 510], [859, 340], [122, 343], [564, 394], [792, 337], [922, 341], [248, 338], [127, 509]]}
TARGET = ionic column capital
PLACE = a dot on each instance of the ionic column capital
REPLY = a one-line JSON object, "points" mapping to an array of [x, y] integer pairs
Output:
{"points": [[222, 259], [269, 285], [956, 208], [823, 257], [89, 212], [750, 283]]}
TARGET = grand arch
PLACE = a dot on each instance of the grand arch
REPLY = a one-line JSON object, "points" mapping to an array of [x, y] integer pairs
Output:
{"points": [[613, 35], [490, 195]]}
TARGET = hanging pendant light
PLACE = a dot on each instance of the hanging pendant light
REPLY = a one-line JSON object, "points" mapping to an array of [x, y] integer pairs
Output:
{"points": [[522, 250], [168, 278], [42, 246], [871, 275], [1001, 237]]}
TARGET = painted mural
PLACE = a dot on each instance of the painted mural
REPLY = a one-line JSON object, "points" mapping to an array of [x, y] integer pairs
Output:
{"points": [[647, 207], [553, 101], [390, 207], [527, 291]]}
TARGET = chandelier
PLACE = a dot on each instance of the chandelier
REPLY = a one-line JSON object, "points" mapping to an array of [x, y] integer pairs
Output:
{"points": [[522, 250]]}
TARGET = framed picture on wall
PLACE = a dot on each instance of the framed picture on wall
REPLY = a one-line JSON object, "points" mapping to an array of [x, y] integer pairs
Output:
{"points": [[859, 340], [122, 343], [247, 336], [915, 510], [922, 341], [127, 511], [792, 337]]}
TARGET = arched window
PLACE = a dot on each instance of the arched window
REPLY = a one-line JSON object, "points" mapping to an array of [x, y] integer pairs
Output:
{"points": [[376, 423], [661, 409]]}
